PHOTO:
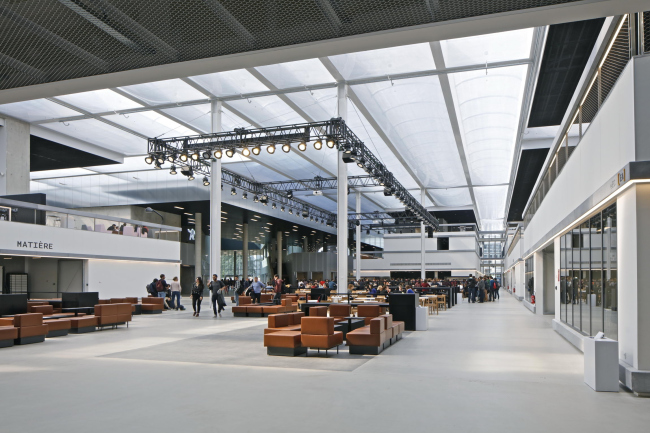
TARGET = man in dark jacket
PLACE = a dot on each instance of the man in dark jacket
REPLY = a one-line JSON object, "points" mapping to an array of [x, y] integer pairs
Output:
{"points": [[277, 288], [215, 285], [471, 285]]}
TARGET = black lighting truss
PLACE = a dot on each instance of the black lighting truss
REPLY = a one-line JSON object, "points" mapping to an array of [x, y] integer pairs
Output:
{"points": [[269, 196], [321, 183], [197, 150]]}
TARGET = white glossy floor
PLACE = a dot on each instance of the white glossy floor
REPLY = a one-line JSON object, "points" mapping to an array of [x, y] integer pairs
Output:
{"points": [[480, 367]]}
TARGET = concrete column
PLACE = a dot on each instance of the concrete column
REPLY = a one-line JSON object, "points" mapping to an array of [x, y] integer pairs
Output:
{"points": [[538, 281], [14, 157], [305, 245], [279, 241], [342, 202], [215, 197], [423, 250], [198, 244], [358, 240], [245, 252]]}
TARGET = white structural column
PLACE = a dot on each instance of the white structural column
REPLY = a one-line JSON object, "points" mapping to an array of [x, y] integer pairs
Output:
{"points": [[279, 242], [423, 239], [14, 157], [305, 245], [357, 268], [245, 252], [215, 197], [342, 202], [198, 244]]}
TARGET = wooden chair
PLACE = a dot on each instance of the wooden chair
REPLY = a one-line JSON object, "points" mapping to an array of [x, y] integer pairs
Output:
{"points": [[442, 300], [433, 304]]}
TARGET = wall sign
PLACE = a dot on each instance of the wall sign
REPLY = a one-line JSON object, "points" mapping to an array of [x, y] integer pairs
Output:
{"points": [[35, 245]]}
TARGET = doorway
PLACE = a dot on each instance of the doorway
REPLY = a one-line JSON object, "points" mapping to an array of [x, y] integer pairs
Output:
{"points": [[70, 276], [550, 280]]}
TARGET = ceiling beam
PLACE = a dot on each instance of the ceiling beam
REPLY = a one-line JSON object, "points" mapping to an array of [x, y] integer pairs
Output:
{"points": [[118, 25], [54, 39], [439, 60]]}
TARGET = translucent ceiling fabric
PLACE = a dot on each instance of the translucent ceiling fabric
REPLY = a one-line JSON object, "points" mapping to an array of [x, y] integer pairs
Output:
{"points": [[99, 133], [296, 74], [164, 92], [100, 101], [495, 47], [385, 61], [230, 83], [151, 124], [414, 116], [266, 111], [491, 201], [451, 197], [37, 110]]}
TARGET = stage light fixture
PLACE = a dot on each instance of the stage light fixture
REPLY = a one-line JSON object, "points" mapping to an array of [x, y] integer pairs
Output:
{"points": [[157, 165], [171, 157], [318, 144], [206, 154], [173, 170], [270, 148], [160, 158], [233, 191], [183, 157], [218, 153], [286, 147], [257, 150], [282, 209], [330, 143], [302, 146], [274, 206], [305, 214], [290, 194], [256, 199], [358, 223], [361, 162], [290, 211], [246, 152], [196, 156], [244, 196], [230, 153], [148, 159], [206, 182], [190, 177]]}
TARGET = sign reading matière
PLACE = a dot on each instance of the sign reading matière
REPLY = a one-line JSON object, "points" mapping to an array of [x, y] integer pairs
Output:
{"points": [[35, 245]]}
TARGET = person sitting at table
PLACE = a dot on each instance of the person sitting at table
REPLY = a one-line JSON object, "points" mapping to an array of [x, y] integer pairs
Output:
{"points": [[372, 291], [409, 289]]}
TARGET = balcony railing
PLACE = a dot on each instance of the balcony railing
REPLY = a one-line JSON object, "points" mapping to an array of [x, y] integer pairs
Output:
{"points": [[29, 213]]}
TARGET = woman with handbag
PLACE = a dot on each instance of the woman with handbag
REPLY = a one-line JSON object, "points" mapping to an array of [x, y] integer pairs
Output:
{"points": [[197, 296]]}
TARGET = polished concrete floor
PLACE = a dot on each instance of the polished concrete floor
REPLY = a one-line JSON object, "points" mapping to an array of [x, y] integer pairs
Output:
{"points": [[479, 368]]}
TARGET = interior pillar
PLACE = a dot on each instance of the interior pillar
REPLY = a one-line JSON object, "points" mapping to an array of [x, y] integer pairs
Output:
{"points": [[14, 157], [215, 196], [342, 202], [423, 251], [198, 244], [305, 245], [279, 242], [358, 240], [245, 252]]}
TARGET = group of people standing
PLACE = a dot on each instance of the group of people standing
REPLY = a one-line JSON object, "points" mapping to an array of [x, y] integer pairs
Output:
{"points": [[170, 292], [217, 295], [482, 289]]}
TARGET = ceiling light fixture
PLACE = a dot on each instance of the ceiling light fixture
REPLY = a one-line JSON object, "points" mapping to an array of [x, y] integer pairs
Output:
{"points": [[148, 159], [206, 154], [230, 153], [302, 146], [290, 194], [173, 170], [330, 143], [206, 182], [318, 144], [183, 156], [196, 156], [246, 152], [157, 165], [233, 191], [244, 196], [270, 149], [257, 150], [171, 157], [286, 147], [218, 153]]}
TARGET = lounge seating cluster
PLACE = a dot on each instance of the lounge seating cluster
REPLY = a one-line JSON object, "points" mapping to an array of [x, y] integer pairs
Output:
{"points": [[373, 338], [285, 336], [247, 309]]}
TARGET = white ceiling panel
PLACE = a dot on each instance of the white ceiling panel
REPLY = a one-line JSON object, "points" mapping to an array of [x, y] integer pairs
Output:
{"points": [[230, 83], [196, 115], [133, 163], [99, 101], [495, 47], [488, 109], [37, 110], [296, 74], [164, 92], [34, 175], [364, 130], [491, 202], [254, 170], [414, 116], [267, 111], [101, 134], [451, 197], [320, 105], [151, 124], [386, 61]]}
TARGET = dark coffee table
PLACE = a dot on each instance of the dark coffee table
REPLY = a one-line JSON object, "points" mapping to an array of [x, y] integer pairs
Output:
{"points": [[77, 310], [350, 324]]}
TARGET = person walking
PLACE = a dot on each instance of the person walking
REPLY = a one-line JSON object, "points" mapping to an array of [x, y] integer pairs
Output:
{"points": [[215, 286], [221, 300], [257, 287], [197, 295], [176, 293], [277, 288]]}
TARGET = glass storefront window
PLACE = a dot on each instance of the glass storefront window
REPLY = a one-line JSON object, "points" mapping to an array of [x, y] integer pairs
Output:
{"points": [[530, 283], [588, 277]]}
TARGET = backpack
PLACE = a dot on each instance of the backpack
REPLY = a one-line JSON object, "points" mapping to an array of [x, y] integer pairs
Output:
{"points": [[494, 285], [151, 289], [159, 286]]}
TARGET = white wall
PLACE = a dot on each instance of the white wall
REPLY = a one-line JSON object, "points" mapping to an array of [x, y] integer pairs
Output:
{"points": [[606, 147], [119, 278]]}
